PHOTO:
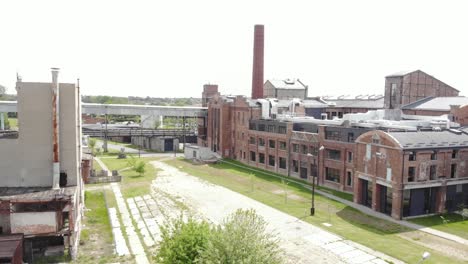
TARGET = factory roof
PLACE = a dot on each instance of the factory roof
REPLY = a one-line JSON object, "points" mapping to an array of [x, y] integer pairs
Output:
{"points": [[287, 84], [372, 102], [437, 103], [39, 194], [431, 139]]}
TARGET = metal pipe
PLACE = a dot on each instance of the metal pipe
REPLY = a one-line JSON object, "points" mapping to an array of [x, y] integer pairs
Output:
{"points": [[56, 127]]}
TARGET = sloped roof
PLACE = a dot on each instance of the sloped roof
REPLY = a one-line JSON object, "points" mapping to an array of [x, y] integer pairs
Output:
{"points": [[357, 103], [287, 84], [437, 103], [430, 139], [400, 73]]}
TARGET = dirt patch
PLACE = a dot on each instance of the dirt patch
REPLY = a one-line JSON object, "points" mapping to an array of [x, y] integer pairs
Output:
{"points": [[289, 195]]}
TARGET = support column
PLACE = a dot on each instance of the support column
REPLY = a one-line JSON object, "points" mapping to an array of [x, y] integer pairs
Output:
{"points": [[2, 122], [161, 121]]}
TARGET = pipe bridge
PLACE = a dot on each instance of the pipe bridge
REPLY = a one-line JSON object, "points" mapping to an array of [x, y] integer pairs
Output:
{"points": [[126, 109]]}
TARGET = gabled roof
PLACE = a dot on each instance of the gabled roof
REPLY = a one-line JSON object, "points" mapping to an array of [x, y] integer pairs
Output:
{"points": [[431, 139], [287, 84], [404, 73], [400, 73], [437, 103]]}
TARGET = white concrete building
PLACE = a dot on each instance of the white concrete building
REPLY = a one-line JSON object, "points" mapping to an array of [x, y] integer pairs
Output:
{"points": [[41, 189]]}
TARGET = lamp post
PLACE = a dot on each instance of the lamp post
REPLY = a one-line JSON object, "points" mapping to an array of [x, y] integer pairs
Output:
{"points": [[312, 208]]}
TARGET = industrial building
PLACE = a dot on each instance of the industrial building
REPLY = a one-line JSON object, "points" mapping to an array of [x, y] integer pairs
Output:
{"points": [[347, 143], [41, 189]]}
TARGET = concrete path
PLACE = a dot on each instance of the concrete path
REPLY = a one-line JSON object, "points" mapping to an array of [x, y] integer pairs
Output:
{"points": [[371, 212], [135, 244], [133, 239], [121, 248], [301, 242], [103, 166]]}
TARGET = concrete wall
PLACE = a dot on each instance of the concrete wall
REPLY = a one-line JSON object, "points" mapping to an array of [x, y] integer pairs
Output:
{"points": [[34, 223], [27, 160]]}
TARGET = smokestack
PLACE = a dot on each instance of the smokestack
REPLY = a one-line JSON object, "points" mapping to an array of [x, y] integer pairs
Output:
{"points": [[257, 72], [55, 127]]}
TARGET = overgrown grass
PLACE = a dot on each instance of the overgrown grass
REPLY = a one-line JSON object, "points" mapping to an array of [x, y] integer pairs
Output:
{"points": [[13, 123], [453, 224], [294, 199], [132, 184], [96, 242]]}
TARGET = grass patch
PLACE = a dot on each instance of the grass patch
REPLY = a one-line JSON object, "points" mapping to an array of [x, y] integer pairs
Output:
{"points": [[453, 224], [294, 199], [231, 165], [96, 242], [132, 184], [96, 166]]}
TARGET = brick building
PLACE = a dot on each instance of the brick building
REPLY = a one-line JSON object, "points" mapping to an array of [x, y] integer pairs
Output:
{"points": [[285, 89], [403, 88], [406, 174]]}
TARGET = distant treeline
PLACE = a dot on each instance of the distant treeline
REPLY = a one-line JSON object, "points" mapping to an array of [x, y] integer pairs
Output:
{"points": [[105, 99]]}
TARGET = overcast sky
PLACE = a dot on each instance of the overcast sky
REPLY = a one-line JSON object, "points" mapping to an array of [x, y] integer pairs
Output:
{"points": [[172, 48]]}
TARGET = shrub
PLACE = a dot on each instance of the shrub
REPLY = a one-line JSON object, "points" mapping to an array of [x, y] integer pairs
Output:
{"points": [[182, 241], [242, 238]]}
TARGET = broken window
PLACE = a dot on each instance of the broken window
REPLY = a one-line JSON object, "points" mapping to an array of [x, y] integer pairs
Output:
{"points": [[282, 163], [271, 160], [411, 173]]}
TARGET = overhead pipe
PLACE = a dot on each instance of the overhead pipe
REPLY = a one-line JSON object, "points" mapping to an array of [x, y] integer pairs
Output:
{"points": [[55, 127]]}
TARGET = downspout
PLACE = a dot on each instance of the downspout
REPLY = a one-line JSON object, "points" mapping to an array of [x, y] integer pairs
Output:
{"points": [[55, 127]]}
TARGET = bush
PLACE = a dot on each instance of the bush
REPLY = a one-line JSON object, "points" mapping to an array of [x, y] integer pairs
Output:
{"points": [[182, 241], [242, 238]]}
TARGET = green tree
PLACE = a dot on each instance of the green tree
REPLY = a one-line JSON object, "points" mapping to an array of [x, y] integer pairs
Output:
{"points": [[182, 241], [92, 145], [242, 238]]}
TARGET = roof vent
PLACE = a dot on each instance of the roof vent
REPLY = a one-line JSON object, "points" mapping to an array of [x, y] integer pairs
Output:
{"points": [[289, 81]]}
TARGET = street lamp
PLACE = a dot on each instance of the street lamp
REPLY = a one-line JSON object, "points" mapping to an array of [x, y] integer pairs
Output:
{"points": [[312, 208]]}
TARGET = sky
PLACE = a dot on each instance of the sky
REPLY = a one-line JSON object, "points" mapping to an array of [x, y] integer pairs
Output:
{"points": [[172, 48]]}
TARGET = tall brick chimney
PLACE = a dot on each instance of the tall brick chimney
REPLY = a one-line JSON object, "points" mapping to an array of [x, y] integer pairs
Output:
{"points": [[257, 72]]}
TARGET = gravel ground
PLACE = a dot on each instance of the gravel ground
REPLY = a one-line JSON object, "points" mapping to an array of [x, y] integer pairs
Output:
{"points": [[301, 242]]}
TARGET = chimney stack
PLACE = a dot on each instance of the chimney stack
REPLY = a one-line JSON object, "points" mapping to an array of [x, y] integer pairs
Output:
{"points": [[56, 128], [257, 73]]}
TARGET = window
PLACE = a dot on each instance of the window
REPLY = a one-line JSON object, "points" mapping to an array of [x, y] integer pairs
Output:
{"points": [[243, 156], [271, 160], [332, 174], [368, 151], [411, 173], [295, 166], [332, 135], [252, 140], [261, 142], [454, 154], [313, 150], [252, 156], [261, 127], [194, 154], [271, 143], [282, 145], [350, 137], [282, 163], [282, 130], [453, 171], [434, 156], [375, 139], [350, 156], [295, 148], [349, 178], [252, 126], [412, 156], [271, 128], [333, 154], [433, 172], [304, 149], [261, 158]]}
